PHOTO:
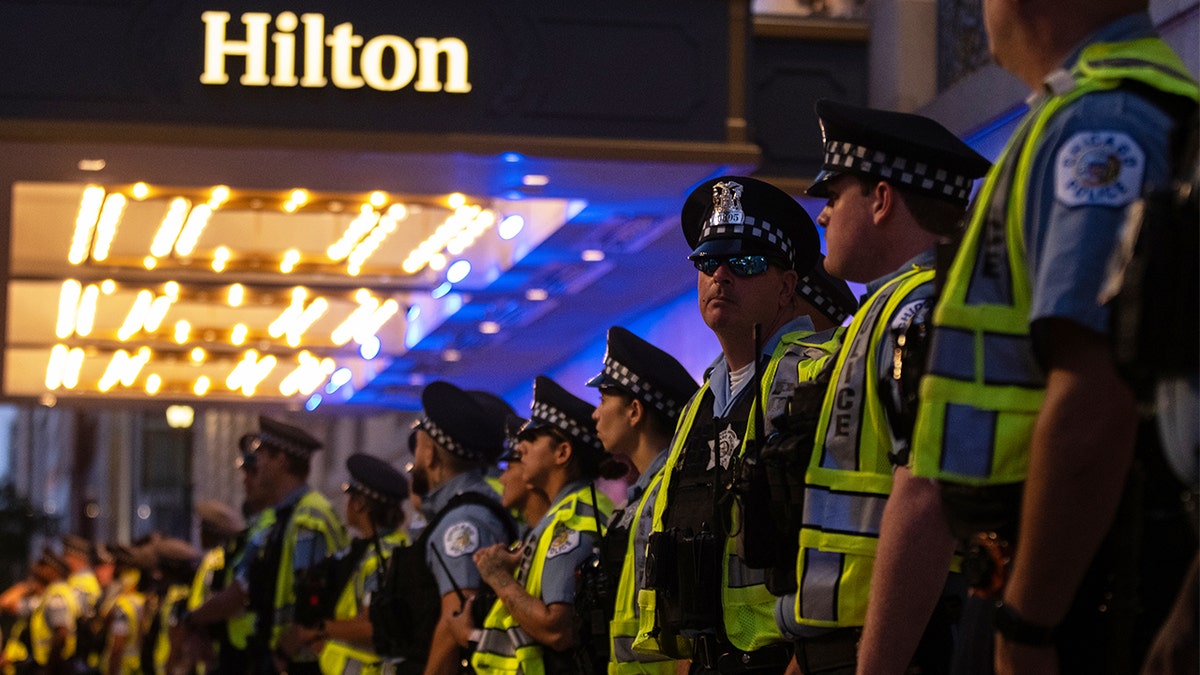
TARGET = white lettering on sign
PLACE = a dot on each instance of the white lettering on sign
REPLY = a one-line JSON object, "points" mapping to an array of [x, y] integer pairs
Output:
{"points": [[417, 63]]}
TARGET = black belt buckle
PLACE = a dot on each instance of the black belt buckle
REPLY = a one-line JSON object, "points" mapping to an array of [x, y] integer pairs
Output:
{"points": [[775, 657], [706, 651]]}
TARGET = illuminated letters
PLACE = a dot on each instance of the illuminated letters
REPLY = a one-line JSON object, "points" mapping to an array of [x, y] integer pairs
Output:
{"points": [[417, 63]]}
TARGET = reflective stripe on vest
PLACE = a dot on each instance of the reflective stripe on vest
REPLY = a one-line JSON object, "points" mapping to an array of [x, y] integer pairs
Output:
{"points": [[212, 563], [623, 629], [747, 605], [983, 389], [241, 627], [162, 645], [313, 512], [339, 658], [131, 604], [503, 647], [849, 476], [40, 632]]}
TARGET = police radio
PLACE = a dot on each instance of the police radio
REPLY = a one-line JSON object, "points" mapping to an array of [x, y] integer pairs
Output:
{"points": [[593, 603]]}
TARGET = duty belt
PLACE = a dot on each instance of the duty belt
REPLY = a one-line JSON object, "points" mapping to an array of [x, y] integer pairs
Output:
{"points": [[713, 653], [835, 651]]}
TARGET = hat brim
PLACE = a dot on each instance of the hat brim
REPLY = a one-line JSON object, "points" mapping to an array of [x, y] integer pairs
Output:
{"points": [[820, 184], [601, 380]]}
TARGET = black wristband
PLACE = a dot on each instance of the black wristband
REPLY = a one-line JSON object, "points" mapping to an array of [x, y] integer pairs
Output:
{"points": [[1016, 629]]}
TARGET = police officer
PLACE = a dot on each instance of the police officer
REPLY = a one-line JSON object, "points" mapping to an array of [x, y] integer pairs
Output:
{"points": [[881, 227], [531, 626], [642, 391], [1022, 387], [52, 624], [342, 634], [516, 494], [220, 526], [751, 245], [304, 528], [177, 562], [77, 551], [123, 614], [454, 439]]}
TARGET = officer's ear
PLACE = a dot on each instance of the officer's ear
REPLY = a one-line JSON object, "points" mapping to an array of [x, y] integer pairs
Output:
{"points": [[635, 411], [883, 201], [562, 451]]}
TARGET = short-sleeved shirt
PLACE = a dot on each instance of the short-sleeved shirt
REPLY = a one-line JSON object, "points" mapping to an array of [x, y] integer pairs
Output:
{"points": [[461, 532], [1070, 231], [568, 549], [309, 548]]}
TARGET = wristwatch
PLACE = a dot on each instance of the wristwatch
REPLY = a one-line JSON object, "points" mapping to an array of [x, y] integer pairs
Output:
{"points": [[1014, 628]]}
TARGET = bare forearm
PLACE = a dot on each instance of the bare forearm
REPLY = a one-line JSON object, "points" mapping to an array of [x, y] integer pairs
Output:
{"points": [[443, 651], [911, 564], [356, 631], [1081, 452], [549, 625], [226, 604]]}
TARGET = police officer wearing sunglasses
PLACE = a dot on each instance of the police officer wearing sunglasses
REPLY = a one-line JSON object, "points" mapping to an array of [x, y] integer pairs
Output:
{"points": [[754, 249]]}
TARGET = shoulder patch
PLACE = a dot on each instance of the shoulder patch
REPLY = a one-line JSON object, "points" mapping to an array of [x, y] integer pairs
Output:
{"points": [[905, 313], [563, 541], [460, 539], [1099, 168]]}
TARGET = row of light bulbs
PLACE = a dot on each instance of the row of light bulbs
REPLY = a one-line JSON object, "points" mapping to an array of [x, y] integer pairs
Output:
{"points": [[100, 213]]}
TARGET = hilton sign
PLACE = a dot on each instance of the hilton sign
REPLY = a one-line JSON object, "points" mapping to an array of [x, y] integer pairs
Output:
{"points": [[416, 63]]}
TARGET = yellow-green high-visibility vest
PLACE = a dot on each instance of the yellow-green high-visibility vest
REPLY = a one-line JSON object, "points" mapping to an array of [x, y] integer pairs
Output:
{"points": [[313, 512], [336, 657], [748, 608], [849, 476], [504, 648], [983, 389], [40, 632]]}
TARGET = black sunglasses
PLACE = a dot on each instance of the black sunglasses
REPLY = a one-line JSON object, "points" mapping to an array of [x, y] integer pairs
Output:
{"points": [[740, 265]]}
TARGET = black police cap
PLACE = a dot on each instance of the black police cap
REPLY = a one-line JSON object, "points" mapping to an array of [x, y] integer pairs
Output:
{"points": [[648, 373], [906, 150], [498, 411], [738, 215], [512, 429], [456, 421], [285, 438], [557, 408], [374, 478], [827, 294]]}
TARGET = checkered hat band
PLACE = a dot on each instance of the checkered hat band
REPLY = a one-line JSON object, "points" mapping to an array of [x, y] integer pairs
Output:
{"points": [[365, 491], [547, 414], [752, 229], [443, 439], [815, 294], [847, 156], [286, 445], [628, 379]]}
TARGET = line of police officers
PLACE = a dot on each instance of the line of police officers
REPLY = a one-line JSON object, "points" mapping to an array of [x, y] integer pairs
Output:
{"points": [[820, 504]]}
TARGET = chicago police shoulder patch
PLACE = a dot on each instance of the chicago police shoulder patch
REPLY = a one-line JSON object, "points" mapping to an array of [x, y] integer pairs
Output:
{"points": [[460, 539], [1099, 168], [564, 540]]}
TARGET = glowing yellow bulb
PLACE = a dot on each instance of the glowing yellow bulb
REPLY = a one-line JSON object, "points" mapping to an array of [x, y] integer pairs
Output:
{"points": [[149, 262], [153, 383], [239, 334], [108, 286], [198, 354], [220, 195], [140, 191], [457, 199], [237, 295], [200, 388], [298, 197], [378, 198], [182, 330]]}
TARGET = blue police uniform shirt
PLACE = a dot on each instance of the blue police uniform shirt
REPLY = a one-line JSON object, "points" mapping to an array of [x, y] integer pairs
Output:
{"points": [[309, 548], [567, 551], [1076, 201], [718, 377], [633, 495], [463, 531]]}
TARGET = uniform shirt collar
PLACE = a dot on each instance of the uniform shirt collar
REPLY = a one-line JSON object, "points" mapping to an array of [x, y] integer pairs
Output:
{"points": [[293, 497], [566, 491], [438, 499], [925, 259], [639, 486]]}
